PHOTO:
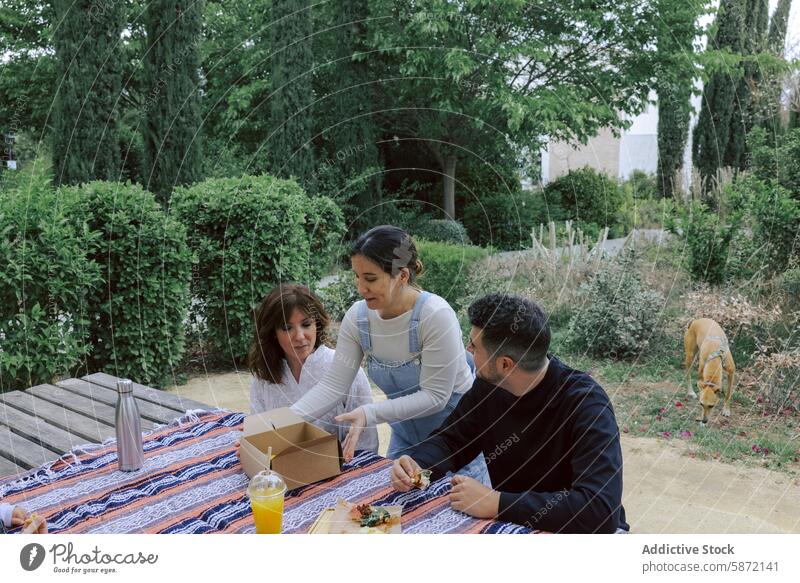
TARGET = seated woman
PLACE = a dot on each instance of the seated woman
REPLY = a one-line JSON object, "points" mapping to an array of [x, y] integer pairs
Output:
{"points": [[288, 357]]}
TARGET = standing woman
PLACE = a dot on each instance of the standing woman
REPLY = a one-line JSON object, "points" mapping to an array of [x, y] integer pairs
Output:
{"points": [[412, 341]]}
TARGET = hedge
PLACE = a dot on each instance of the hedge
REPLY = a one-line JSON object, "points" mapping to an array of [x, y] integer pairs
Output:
{"points": [[44, 280], [248, 235], [446, 268], [137, 315]]}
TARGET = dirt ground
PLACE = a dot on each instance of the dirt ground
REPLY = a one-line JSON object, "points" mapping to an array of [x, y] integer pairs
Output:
{"points": [[665, 491]]}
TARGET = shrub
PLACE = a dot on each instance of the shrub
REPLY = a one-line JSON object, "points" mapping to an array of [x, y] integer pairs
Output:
{"points": [[618, 316], [776, 161], [248, 235], [707, 241], [505, 220], [137, 315], [45, 277], [788, 284], [777, 375], [337, 297], [442, 230], [588, 196], [325, 230], [446, 267]]}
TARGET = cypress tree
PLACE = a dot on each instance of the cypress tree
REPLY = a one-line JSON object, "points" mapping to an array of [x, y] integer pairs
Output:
{"points": [[677, 32], [769, 106], [172, 103], [290, 150], [712, 133], [742, 119], [86, 144], [351, 133]]}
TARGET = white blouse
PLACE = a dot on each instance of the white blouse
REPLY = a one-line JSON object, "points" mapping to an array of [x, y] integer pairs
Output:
{"points": [[265, 396]]}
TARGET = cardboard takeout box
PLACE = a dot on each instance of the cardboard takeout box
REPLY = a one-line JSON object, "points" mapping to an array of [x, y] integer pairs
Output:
{"points": [[302, 453]]}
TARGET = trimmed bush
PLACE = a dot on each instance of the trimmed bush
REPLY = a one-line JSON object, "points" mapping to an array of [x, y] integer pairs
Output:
{"points": [[137, 315], [505, 220], [618, 316], [325, 230], [442, 230], [44, 280], [446, 268], [249, 234], [588, 196], [338, 296], [708, 241]]}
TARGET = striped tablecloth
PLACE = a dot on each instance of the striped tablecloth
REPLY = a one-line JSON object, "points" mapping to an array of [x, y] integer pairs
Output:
{"points": [[192, 482]]}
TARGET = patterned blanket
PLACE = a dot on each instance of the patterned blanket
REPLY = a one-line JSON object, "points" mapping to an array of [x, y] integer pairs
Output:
{"points": [[192, 482]]}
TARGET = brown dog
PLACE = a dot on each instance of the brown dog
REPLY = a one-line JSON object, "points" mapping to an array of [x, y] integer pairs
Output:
{"points": [[707, 336]]}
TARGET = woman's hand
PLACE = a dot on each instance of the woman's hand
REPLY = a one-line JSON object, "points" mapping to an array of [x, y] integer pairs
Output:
{"points": [[358, 421], [31, 524]]}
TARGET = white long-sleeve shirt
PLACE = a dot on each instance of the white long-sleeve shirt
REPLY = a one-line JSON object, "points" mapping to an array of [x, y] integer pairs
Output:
{"points": [[444, 366], [265, 396], [6, 513]]}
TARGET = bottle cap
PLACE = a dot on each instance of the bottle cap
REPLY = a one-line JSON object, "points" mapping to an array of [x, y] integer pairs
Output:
{"points": [[124, 386]]}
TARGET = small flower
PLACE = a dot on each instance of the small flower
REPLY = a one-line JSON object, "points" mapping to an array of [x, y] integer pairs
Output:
{"points": [[666, 435], [756, 448], [686, 434], [625, 429], [679, 404], [662, 410]]}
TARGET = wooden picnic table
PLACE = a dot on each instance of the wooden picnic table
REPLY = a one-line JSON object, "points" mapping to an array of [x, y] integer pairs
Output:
{"points": [[192, 482], [42, 423]]}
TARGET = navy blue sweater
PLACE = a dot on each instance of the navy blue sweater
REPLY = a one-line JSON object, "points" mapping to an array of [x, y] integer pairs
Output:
{"points": [[553, 454]]}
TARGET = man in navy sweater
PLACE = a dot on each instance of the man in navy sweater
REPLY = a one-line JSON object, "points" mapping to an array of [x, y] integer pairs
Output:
{"points": [[547, 431]]}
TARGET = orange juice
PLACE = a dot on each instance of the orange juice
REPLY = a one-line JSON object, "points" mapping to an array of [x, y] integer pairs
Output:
{"points": [[267, 507]]}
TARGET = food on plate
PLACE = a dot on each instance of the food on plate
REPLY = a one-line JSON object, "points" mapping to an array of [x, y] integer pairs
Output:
{"points": [[422, 479], [349, 518], [370, 516]]}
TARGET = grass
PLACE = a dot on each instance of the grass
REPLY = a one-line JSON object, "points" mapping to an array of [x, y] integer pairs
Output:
{"points": [[660, 409]]}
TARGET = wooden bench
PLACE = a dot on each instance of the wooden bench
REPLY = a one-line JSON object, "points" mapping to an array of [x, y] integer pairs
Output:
{"points": [[46, 421]]}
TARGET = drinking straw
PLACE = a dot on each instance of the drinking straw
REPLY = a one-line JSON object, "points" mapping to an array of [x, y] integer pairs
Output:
{"points": [[269, 458]]}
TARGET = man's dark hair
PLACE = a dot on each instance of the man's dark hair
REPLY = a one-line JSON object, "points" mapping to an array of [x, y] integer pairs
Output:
{"points": [[513, 326]]}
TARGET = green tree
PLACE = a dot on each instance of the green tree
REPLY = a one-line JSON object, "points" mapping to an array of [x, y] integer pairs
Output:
{"points": [[171, 107], [473, 77], [289, 148], [769, 102], [742, 119], [85, 109], [677, 65], [236, 74], [28, 71], [348, 162], [712, 133]]}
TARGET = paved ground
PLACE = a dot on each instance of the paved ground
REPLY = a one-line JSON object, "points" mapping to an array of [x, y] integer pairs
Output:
{"points": [[665, 490]]}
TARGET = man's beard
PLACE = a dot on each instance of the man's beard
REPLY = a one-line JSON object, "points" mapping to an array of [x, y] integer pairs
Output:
{"points": [[489, 374]]}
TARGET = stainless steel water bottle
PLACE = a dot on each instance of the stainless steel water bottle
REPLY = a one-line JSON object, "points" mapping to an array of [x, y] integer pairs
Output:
{"points": [[130, 450]]}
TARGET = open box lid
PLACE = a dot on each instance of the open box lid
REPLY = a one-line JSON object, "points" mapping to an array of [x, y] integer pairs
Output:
{"points": [[270, 420]]}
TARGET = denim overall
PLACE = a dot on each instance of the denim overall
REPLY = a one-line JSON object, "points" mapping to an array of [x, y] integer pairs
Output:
{"points": [[400, 378]]}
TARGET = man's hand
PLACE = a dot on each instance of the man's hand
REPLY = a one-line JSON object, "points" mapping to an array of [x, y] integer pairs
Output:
{"points": [[471, 497], [403, 470], [358, 421]]}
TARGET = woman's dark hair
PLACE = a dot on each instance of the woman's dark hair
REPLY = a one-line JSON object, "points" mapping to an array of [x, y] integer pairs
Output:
{"points": [[514, 326], [265, 356], [392, 249]]}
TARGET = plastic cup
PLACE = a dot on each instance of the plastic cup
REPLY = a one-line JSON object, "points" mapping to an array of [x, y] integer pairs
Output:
{"points": [[266, 492]]}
